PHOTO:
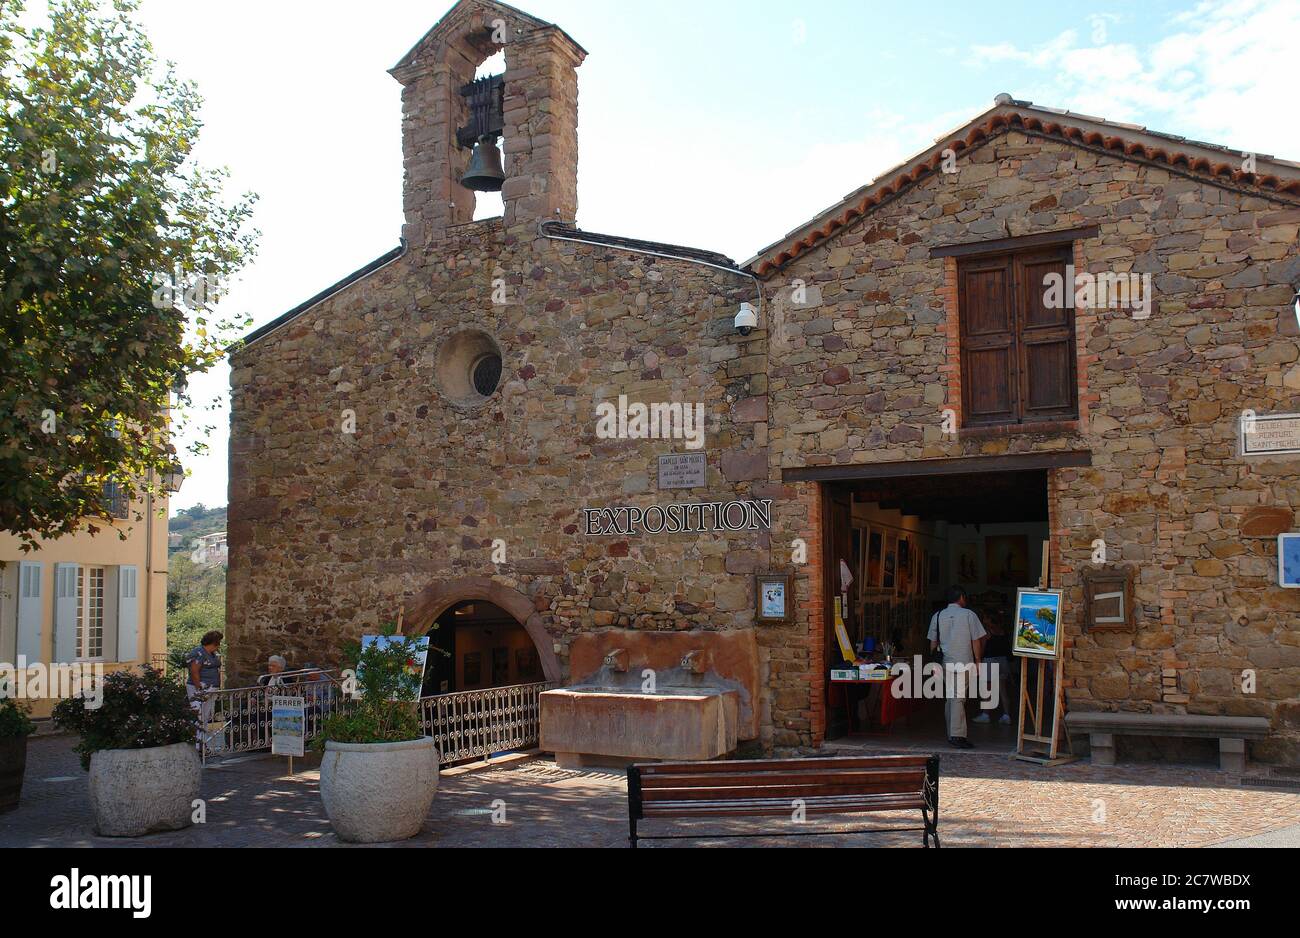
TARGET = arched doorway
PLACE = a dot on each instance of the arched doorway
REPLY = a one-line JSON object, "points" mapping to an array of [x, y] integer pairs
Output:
{"points": [[476, 645], [482, 635]]}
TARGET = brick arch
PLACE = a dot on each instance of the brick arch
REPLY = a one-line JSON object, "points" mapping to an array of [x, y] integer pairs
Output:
{"points": [[423, 611]]}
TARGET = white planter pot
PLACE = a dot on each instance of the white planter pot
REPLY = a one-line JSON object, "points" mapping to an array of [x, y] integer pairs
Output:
{"points": [[378, 793], [134, 792]]}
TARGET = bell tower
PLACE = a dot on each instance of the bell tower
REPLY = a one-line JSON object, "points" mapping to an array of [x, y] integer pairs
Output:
{"points": [[451, 122]]}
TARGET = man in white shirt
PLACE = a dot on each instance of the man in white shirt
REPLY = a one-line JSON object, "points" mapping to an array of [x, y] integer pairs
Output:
{"points": [[959, 635]]}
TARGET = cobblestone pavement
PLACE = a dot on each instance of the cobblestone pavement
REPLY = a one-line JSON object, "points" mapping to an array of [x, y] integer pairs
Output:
{"points": [[985, 800]]}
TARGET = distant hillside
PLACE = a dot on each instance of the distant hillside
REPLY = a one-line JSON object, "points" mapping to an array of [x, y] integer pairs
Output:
{"points": [[192, 523], [196, 596]]}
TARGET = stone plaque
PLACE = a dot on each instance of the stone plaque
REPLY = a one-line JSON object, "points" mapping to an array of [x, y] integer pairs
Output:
{"points": [[684, 471], [1277, 435]]}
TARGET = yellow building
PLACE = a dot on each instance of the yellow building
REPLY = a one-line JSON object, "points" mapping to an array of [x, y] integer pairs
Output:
{"points": [[84, 599]]}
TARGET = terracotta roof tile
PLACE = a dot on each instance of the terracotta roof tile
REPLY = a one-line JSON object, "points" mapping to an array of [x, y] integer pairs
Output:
{"points": [[1002, 121]]}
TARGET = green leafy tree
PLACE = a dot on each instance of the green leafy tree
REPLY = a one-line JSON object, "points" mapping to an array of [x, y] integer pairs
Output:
{"points": [[114, 246]]}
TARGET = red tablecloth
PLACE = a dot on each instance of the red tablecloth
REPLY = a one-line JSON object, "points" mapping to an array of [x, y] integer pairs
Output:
{"points": [[893, 709]]}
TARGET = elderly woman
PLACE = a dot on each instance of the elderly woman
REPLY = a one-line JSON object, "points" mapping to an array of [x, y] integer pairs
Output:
{"points": [[275, 667]]}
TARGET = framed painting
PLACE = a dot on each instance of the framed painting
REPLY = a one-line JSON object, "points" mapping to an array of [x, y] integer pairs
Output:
{"points": [[472, 670], [1006, 560], [1038, 621], [875, 557], [968, 564], [890, 574], [774, 599], [1288, 561]]}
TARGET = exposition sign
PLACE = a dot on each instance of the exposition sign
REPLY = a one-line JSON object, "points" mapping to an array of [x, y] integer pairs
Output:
{"points": [[288, 726], [1276, 435], [679, 518]]}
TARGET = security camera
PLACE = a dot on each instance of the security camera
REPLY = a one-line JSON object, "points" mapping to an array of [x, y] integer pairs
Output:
{"points": [[746, 319]]}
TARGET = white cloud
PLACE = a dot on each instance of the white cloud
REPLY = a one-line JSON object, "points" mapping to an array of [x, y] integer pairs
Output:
{"points": [[1222, 74]]}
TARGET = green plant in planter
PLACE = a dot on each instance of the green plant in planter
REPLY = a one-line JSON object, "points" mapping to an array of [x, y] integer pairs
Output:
{"points": [[140, 711], [388, 708], [14, 719]]}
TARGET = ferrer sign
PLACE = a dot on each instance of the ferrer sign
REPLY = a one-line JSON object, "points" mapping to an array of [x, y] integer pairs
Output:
{"points": [[707, 518]]}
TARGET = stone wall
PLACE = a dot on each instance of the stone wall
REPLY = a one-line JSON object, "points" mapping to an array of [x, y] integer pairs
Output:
{"points": [[862, 370], [332, 532]]}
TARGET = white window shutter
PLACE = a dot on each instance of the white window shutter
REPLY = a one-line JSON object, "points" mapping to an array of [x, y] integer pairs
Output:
{"points": [[128, 614], [31, 612], [65, 613]]}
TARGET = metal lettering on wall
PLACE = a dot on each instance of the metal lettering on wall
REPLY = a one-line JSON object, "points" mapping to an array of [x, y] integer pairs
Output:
{"points": [[709, 517], [683, 471]]}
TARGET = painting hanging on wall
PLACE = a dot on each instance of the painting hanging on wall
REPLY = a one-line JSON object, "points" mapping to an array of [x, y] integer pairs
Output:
{"points": [[891, 561], [1007, 560], [968, 564], [875, 557], [1288, 561], [904, 566], [1038, 620]]}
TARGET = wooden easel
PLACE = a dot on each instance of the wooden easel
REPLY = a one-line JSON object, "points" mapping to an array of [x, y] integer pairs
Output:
{"points": [[1048, 747]]}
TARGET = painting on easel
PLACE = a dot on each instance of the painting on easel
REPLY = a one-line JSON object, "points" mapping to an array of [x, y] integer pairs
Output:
{"points": [[1038, 619]]}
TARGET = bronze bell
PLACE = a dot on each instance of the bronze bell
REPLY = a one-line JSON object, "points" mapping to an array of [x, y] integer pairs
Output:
{"points": [[485, 172]]}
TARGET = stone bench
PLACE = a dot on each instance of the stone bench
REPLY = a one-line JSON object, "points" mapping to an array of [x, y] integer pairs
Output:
{"points": [[1231, 732]]}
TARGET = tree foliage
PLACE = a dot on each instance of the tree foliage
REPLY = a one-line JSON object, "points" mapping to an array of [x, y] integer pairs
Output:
{"points": [[114, 246]]}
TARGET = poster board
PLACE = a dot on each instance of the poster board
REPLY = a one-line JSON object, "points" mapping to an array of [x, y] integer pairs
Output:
{"points": [[288, 726], [415, 667]]}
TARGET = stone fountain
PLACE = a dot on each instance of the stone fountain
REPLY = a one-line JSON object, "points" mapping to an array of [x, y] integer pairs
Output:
{"points": [[653, 697]]}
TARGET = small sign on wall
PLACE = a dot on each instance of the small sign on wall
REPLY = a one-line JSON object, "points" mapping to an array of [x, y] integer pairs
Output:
{"points": [[1275, 435], [683, 471], [774, 602], [1288, 561]]}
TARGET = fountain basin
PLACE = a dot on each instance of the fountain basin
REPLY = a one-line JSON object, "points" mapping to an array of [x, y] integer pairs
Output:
{"points": [[606, 726]]}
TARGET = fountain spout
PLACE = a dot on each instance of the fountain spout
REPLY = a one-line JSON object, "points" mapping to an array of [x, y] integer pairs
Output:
{"points": [[617, 660], [696, 662]]}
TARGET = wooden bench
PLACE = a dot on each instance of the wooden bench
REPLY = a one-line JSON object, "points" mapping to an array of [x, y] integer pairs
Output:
{"points": [[1231, 732], [789, 789]]}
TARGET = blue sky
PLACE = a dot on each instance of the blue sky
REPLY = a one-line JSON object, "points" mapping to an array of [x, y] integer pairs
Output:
{"points": [[716, 123]]}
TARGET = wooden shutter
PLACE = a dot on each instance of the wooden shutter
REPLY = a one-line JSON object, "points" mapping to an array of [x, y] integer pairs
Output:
{"points": [[1047, 360], [31, 612], [128, 605], [988, 341], [66, 610]]}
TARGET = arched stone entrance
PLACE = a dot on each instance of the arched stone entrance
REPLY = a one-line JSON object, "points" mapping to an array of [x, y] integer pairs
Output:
{"points": [[426, 608]]}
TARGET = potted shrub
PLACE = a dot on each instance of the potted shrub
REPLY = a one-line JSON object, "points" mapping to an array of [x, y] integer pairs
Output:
{"points": [[379, 772], [139, 747], [15, 727]]}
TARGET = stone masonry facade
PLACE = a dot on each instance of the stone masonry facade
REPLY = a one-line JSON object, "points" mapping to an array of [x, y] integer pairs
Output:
{"points": [[361, 482], [863, 370]]}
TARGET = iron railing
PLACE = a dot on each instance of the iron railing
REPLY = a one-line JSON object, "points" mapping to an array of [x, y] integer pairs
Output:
{"points": [[239, 720], [466, 726], [473, 725]]}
